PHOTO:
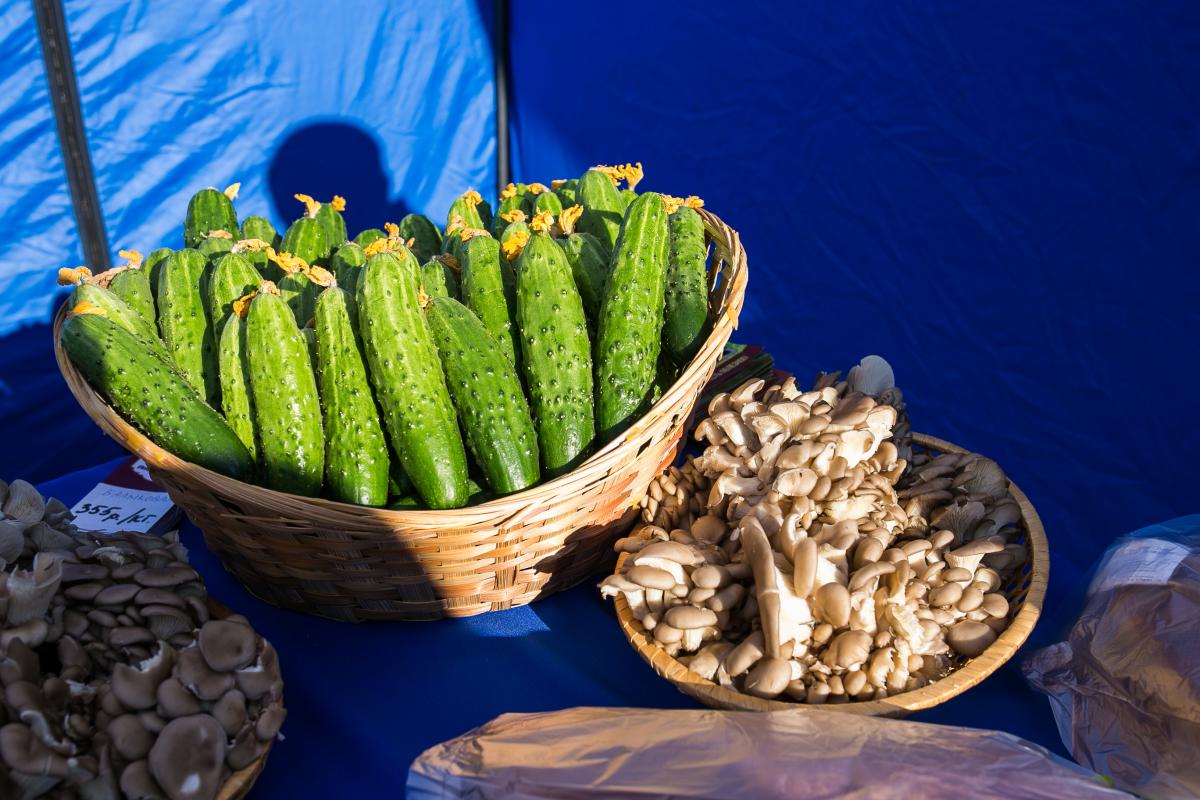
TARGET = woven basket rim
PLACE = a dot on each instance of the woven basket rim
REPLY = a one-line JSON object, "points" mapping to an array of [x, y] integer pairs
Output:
{"points": [[607, 457], [955, 683]]}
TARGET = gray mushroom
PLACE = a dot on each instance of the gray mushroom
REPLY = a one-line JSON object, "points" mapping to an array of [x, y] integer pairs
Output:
{"points": [[129, 737], [137, 782], [173, 700], [135, 685], [229, 646], [230, 711], [262, 677], [187, 757], [199, 678]]}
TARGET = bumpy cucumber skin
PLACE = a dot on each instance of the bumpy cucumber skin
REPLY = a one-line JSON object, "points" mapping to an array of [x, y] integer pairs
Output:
{"points": [[208, 210], [514, 203], [548, 201], [306, 239], [346, 265], [427, 240], [153, 395], [568, 193], [628, 196], [300, 294], [260, 228], [489, 289], [356, 454], [629, 329], [487, 395], [334, 224], [555, 355], [214, 247], [409, 383], [153, 263], [685, 320], [184, 321], [231, 277], [235, 382], [438, 280], [468, 212], [603, 208], [133, 286], [364, 238], [283, 395], [310, 340], [118, 311], [589, 266]]}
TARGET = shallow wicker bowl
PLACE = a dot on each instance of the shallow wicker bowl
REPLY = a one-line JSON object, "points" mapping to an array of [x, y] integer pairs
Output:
{"points": [[354, 563], [1025, 590]]}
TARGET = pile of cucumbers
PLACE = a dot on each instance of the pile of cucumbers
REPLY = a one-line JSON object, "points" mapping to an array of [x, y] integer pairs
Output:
{"points": [[410, 367]]}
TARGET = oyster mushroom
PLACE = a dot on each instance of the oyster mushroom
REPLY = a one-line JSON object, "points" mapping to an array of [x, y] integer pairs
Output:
{"points": [[139, 784], [193, 671], [135, 686], [187, 757], [229, 646]]}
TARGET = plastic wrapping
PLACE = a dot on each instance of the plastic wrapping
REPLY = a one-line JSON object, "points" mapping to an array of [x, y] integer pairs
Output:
{"points": [[638, 753], [1125, 686]]}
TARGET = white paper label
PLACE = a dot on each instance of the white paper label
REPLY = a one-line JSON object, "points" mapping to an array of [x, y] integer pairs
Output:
{"points": [[1139, 561], [126, 500]]}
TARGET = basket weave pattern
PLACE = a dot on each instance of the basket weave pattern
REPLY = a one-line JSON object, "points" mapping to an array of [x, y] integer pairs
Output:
{"points": [[1025, 590], [354, 563]]}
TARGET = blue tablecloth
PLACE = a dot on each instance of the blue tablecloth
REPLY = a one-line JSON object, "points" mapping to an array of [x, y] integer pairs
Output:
{"points": [[364, 700]]}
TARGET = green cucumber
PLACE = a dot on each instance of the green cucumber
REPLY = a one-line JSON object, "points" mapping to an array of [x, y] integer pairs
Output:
{"points": [[118, 311], [427, 240], [184, 321], [364, 238], [208, 210], [153, 395], [133, 286], [438, 279], [356, 453], [514, 202], [151, 265], [334, 224], [603, 207], [629, 329], [408, 379], [234, 373], [589, 266], [513, 228], [628, 196], [283, 394], [485, 214], [346, 265], [555, 354], [466, 208], [548, 201], [685, 320], [489, 289], [567, 192], [487, 395], [310, 341], [260, 228], [214, 246], [664, 377], [306, 239], [231, 277], [300, 294]]}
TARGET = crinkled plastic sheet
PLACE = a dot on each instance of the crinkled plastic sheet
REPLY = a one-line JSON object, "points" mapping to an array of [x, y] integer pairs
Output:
{"points": [[638, 753], [1125, 686]]}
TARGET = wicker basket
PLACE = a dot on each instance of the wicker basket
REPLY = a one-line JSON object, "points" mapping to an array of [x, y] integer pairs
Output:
{"points": [[354, 563], [1025, 590], [237, 785]]}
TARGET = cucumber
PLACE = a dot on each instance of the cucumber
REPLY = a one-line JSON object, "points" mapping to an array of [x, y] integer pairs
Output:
{"points": [[235, 382], [514, 229], [153, 395], [589, 267], [330, 217], [629, 328], [408, 379], [214, 246], [151, 265], [356, 454], [485, 214], [628, 196], [664, 377], [346, 265], [685, 320], [184, 321], [487, 396], [465, 207], [398, 482], [555, 355], [489, 289], [603, 207], [427, 240], [133, 286], [439, 279], [511, 199], [118, 311], [566, 191], [300, 291], [208, 210], [548, 201], [306, 239], [231, 277], [310, 341], [364, 238], [260, 228], [283, 395]]}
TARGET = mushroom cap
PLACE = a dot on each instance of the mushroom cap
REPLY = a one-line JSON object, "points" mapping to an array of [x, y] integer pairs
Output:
{"points": [[831, 604], [138, 784], [187, 758], [197, 676], [970, 638], [162, 577], [229, 646], [261, 677], [269, 722], [154, 596], [129, 737], [671, 551], [651, 577], [230, 711], [689, 617], [769, 677], [116, 595], [135, 685], [176, 701]]}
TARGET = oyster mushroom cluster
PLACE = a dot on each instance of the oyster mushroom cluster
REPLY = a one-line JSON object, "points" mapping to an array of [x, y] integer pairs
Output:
{"points": [[117, 683], [809, 552]]}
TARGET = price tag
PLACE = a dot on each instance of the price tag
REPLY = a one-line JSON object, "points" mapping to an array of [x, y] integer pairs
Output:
{"points": [[126, 500]]}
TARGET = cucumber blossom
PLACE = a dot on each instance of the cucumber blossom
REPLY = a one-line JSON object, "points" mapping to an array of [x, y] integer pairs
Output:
{"points": [[465, 207], [364, 238]]}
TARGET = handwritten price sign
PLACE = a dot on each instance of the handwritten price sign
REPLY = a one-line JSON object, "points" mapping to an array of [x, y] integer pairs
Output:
{"points": [[125, 501]]}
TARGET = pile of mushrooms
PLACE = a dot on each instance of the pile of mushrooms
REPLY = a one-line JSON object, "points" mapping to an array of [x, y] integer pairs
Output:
{"points": [[116, 681], [810, 553]]}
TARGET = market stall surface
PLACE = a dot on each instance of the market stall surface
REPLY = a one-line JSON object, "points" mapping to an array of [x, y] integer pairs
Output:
{"points": [[364, 700]]}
